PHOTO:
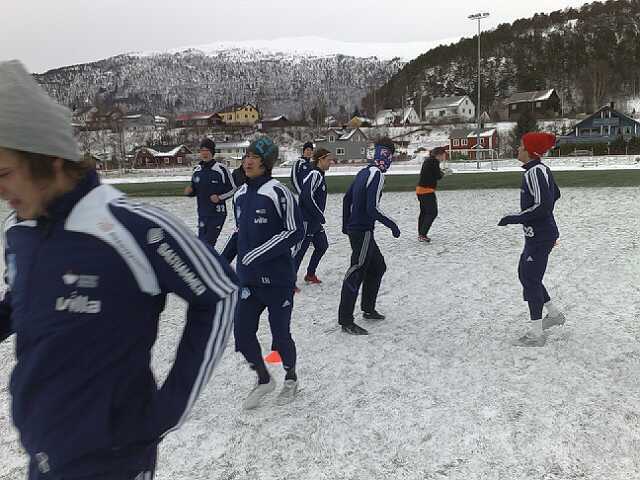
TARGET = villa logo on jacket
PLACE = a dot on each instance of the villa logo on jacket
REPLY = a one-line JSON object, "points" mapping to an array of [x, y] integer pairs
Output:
{"points": [[261, 220], [78, 304]]}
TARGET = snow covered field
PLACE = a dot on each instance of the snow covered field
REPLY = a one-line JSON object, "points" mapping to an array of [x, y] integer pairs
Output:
{"points": [[436, 391]]}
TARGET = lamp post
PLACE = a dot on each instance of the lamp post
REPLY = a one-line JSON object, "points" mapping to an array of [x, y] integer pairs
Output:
{"points": [[478, 17]]}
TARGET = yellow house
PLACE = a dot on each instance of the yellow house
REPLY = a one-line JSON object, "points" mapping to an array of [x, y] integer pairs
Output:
{"points": [[240, 114]]}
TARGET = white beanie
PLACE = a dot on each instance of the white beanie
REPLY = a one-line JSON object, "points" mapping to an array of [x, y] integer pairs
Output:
{"points": [[30, 120]]}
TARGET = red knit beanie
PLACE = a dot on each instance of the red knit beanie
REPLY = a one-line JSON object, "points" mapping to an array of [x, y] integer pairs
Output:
{"points": [[538, 143]]}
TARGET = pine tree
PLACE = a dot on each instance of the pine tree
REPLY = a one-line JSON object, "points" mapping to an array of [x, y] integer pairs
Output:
{"points": [[526, 123]]}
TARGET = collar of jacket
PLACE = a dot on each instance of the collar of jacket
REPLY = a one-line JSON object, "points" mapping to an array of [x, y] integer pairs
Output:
{"points": [[531, 164], [62, 205], [256, 183], [207, 164]]}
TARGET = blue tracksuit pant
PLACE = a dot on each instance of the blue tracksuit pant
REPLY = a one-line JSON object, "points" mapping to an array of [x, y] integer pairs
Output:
{"points": [[367, 269], [531, 269], [320, 246], [279, 303], [209, 229]]}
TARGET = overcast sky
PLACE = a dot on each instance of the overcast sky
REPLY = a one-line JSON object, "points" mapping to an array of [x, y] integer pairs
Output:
{"points": [[51, 33]]}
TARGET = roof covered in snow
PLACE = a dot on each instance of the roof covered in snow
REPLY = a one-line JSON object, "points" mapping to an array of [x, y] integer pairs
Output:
{"points": [[528, 97], [445, 102], [169, 153], [472, 133]]}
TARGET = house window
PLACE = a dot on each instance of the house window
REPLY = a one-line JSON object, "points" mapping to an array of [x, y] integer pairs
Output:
{"points": [[166, 161], [363, 151], [332, 138], [246, 116], [628, 131], [340, 151], [538, 104], [514, 107], [443, 113], [456, 142], [179, 160], [464, 142]]}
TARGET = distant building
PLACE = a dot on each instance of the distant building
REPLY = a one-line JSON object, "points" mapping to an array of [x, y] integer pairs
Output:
{"points": [[402, 116], [162, 157], [542, 103], [450, 109], [464, 141], [201, 120], [604, 126], [330, 121], [138, 121], [274, 122], [357, 122], [231, 153], [160, 121], [348, 145], [245, 114]]}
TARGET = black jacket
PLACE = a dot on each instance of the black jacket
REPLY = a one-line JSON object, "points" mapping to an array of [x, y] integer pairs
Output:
{"points": [[430, 173]]}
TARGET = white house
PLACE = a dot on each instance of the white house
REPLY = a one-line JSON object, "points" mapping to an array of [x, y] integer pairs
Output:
{"points": [[400, 116], [231, 152], [450, 108]]}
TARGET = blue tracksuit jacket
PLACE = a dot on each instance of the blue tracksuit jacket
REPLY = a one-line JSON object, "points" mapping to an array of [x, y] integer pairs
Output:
{"points": [[299, 172], [86, 286], [268, 226], [361, 203], [538, 196], [313, 200], [212, 178]]}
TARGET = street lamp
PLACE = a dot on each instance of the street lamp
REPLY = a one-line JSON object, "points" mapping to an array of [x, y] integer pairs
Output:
{"points": [[478, 17]]}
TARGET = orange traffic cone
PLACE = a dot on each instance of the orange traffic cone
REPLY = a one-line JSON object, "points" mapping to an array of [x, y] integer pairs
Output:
{"points": [[273, 357]]}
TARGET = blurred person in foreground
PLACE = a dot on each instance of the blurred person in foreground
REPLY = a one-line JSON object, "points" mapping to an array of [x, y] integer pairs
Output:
{"points": [[88, 273]]}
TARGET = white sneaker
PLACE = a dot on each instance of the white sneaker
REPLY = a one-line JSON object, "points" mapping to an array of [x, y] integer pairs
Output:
{"points": [[288, 392], [256, 395], [550, 320], [530, 340]]}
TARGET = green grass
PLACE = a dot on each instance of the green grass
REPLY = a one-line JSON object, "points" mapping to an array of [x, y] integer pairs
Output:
{"points": [[404, 183]]}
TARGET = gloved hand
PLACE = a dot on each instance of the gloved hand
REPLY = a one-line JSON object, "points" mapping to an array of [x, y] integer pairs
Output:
{"points": [[504, 221], [395, 231]]}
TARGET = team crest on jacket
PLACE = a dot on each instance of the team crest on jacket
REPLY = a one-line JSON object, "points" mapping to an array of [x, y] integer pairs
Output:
{"points": [[71, 279], [246, 293], [105, 225]]}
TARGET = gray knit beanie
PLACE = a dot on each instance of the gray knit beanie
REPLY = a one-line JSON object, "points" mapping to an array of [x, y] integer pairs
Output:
{"points": [[30, 120]]}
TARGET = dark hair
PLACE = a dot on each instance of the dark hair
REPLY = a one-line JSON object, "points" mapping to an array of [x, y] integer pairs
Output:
{"points": [[318, 154], [438, 151], [40, 166], [386, 142], [307, 145]]}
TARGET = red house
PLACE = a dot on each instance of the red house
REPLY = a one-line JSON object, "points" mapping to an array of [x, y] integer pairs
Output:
{"points": [[464, 142], [162, 157]]}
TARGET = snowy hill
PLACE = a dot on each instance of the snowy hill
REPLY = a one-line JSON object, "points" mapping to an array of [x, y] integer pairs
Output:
{"points": [[587, 54], [317, 47], [288, 76]]}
